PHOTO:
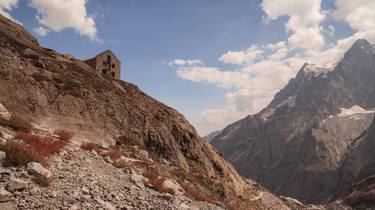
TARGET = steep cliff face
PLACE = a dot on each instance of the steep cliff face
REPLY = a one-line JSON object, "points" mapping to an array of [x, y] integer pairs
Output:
{"points": [[359, 163], [298, 143], [57, 91]]}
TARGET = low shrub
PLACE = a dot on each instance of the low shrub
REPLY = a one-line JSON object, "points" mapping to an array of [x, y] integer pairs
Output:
{"points": [[151, 174], [17, 123], [191, 193], [114, 154], [120, 163], [64, 135], [44, 145], [42, 180], [91, 146], [1, 135], [157, 184], [140, 164], [20, 154], [156, 181]]}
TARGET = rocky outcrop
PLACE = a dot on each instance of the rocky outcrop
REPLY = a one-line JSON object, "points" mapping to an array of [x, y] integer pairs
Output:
{"points": [[4, 114], [298, 144], [36, 168], [58, 91], [357, 175]]}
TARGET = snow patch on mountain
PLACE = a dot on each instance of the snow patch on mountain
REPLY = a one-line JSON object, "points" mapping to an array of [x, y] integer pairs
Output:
{"points": [[317, 70]]}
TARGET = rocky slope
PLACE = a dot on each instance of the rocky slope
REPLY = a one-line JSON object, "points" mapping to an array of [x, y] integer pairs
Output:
{"points": [[357, 175], [298, 145], [57, 91]]}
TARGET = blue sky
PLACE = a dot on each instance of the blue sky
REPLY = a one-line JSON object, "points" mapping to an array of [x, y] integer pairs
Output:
{"points": [[232, 43]]}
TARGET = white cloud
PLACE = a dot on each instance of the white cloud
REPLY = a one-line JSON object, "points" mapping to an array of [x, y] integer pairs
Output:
{"points": [[309, 38], [41, 31], [359, 14], [181, 62], [330, 30], [57, 15], [304, 20], [213, 75], [241, 57], [251, 86], [6, 6], [263, 70]]}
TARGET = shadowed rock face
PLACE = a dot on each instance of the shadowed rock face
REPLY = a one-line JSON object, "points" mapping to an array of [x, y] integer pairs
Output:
{"points": [[357, 175], [58, 91], [297, 145]]}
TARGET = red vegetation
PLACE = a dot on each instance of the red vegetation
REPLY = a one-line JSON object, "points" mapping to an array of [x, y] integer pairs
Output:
{"points": [[156, 181], [151, 174], [157, 184], [32, 148], [45, 146], [64, 135], [19, 153], [140, 164], [191, 193], [120, 163], [114, 154], [91, 146], [17, 123]]}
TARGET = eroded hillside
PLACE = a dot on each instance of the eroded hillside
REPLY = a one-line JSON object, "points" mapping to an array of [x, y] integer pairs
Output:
{"points": [[58, 91]]}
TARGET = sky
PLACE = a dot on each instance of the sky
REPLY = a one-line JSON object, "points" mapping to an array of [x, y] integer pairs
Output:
{"points": [[215, 61]]}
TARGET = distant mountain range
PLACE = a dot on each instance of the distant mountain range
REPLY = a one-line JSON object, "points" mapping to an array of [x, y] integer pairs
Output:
{"points": [[314, 140], [211, 135]]}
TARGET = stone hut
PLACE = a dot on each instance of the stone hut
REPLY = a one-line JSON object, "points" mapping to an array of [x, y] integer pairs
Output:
{"points": [[106, 63]]}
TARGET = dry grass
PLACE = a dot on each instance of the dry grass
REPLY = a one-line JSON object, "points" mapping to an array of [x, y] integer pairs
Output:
{"points": [[114, 154], [20, 154], [120, 163], [192, 193], [156, 181], [140, 164], [32, 148], [64, 135], [17, 123], [45, 146], [91, 146]]}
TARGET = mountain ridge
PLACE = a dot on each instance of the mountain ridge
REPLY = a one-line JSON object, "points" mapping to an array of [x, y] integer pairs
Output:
{"points": [[294, 146]]}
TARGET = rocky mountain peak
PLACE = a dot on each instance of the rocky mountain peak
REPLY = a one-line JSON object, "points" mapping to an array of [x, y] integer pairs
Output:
{"points": [[360, 51], [309, 128]]}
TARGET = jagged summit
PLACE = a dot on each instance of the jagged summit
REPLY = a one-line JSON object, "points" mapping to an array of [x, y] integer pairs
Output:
{"points": [[360, 48], [315, 70]]}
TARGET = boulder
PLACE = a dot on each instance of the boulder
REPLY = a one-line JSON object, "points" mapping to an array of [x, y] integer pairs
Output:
{"points": [[5, 195], [108, 159], [173, 186], [4, 114], [137, 180], [36, 168], [3, 155], [8, 206], [143, 154], [4, 174], [16, 184]]}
